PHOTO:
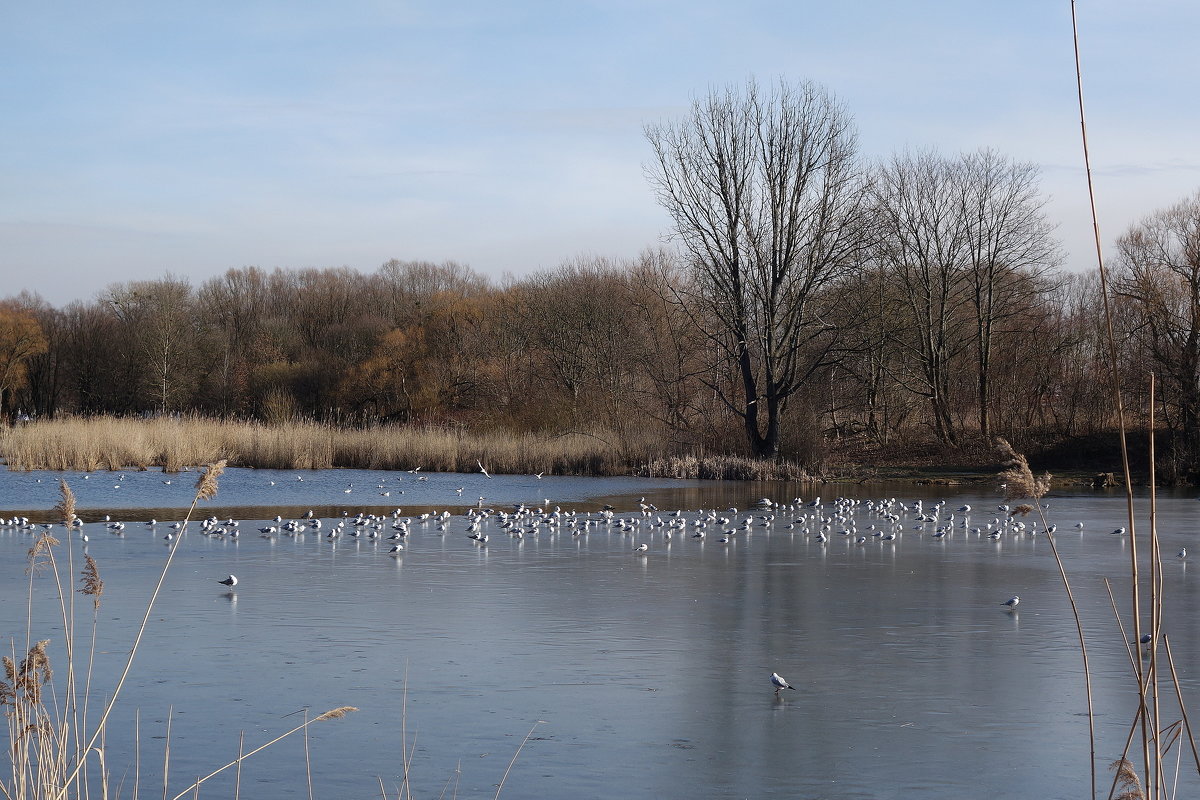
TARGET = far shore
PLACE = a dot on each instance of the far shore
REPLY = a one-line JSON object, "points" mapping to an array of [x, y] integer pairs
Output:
{"points": [[175, 444]]}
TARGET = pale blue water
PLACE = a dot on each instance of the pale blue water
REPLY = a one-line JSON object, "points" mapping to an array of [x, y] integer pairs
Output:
{"points": [[650, 672], [133, 494]]}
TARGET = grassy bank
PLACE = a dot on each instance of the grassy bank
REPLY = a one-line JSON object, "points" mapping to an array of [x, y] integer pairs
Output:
{"points": [[112, 443]]}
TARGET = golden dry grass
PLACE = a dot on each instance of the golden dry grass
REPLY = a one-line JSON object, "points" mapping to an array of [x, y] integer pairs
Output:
{"points": [[173, 444], [723, 468]]}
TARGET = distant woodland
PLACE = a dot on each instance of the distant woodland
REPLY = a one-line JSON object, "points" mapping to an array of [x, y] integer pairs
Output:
{"points": [[809, 301]]}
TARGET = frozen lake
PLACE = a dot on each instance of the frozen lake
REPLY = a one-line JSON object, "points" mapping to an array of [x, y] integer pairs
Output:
{"points": [[650, 672]]}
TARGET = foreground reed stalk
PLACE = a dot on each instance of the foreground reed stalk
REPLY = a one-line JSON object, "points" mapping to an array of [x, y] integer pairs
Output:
{"points": [[1156, 598], [206, 489], [1115, 384], [49, 751], [1019, 479], [336, 713]]}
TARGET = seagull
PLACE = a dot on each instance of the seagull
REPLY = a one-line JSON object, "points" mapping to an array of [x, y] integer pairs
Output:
{"points": [[780, 683], [641, 548], [1119, 532], [231, 581], [482, 469], [1182, 553], [1012, 602]]}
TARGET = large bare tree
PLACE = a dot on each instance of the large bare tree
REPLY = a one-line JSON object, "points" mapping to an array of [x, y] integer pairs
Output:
{"points": [[1159, 275], [766, 192], [1010, 250], [965, 240]]}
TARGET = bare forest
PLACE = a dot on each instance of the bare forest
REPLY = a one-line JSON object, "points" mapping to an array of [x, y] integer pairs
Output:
{"points": [[808, 306]]}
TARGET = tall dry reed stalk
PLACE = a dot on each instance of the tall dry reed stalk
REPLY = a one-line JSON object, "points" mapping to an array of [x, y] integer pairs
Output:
{"points": [[1020, 482], [407, 751], [1148, 718]]}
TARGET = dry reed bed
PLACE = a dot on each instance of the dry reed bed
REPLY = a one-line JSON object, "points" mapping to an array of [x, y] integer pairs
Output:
{"points": [[175, 443], [118, 443], [722, 468]]}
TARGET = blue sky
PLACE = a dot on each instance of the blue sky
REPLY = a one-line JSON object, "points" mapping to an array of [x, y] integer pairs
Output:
{"points": [[142, 138]]}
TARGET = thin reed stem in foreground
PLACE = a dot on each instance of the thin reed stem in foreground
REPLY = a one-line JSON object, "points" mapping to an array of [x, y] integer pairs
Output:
{"points": [[453, 778], [307, 759], [1130, 649], [404, 753], [514, 758], [1020, 480], [1182, 708], [167, 751], [1156, 600], [137, 753], [336, 713], [237, 778], [1115, 383], [206, 488]]}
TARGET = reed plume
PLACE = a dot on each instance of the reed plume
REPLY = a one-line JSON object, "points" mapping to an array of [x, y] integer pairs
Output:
{"points": [[93, 587], [66, 506], [336, 713], [1127, 779], [24, 683], [206, 484], [40, 556], [1017, 478]]}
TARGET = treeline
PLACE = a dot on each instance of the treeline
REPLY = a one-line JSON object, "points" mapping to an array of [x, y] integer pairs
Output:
{"points": [[590, 344], [593, 344], [812, 302]]}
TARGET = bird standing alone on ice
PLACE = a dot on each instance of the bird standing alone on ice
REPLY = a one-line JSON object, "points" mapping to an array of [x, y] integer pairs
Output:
{"points": [[231, 581], [1012, 602], [780, 683]]}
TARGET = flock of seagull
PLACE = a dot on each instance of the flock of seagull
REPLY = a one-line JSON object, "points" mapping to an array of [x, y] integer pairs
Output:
{"points": [[858, 522], [882, 521]]}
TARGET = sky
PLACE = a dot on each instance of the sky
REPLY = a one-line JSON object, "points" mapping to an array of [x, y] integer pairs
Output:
{"points": [[144, 138]]}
